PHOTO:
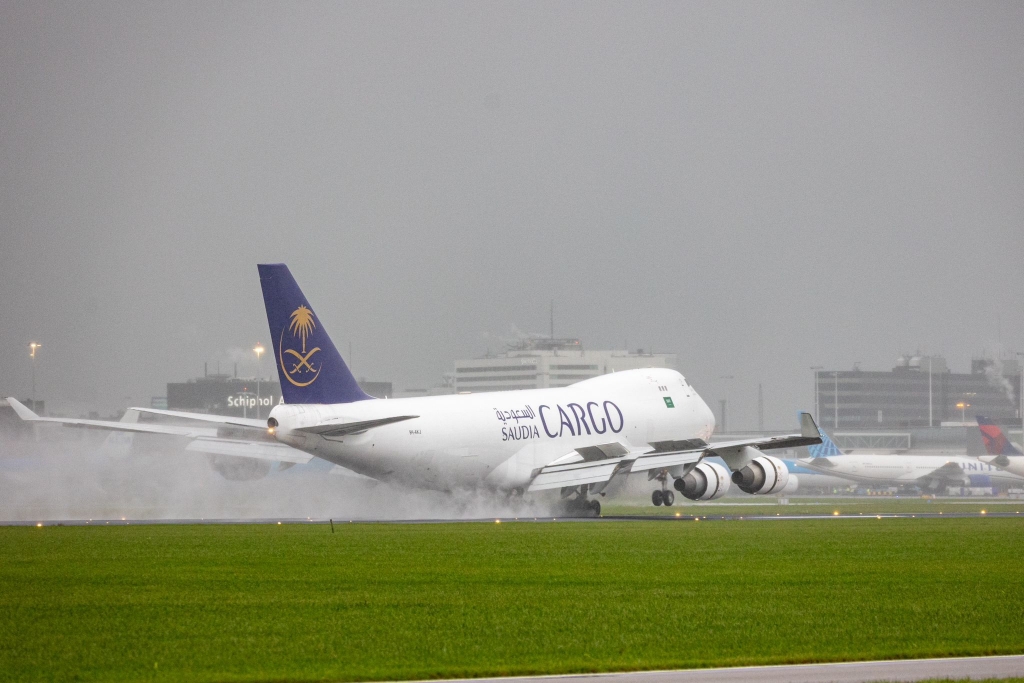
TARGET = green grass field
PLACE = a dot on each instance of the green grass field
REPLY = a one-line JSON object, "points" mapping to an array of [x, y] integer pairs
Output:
{"points": [[374, 601]]}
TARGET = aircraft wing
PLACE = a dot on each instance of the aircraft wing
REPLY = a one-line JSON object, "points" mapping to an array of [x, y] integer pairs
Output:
{"points": [[244, 422], [599, 464], [587, 465], [204, 439], [808, 436], [948, 473]]}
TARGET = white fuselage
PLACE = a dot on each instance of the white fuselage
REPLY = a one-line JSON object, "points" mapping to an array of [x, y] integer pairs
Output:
{"points": [[898, 470], [1014, 465], [497, 440]]}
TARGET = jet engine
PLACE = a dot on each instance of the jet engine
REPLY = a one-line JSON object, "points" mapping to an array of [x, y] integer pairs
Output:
{"points": [[706, 481], [762, 475]]}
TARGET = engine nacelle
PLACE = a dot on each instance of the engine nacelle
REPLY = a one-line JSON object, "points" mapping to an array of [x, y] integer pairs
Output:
{"points": [[706, 481], [762, 475]]}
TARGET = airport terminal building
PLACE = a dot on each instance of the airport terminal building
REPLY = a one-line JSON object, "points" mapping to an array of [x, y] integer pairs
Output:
{"points": [[546, 362], [919, 391]]}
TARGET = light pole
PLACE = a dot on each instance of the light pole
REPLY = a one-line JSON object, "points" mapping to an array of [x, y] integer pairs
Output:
{"points": [[835, 401], [724, 401], [817, 407], [258, 350], [963, 406], [32, 348], [930, 422]]}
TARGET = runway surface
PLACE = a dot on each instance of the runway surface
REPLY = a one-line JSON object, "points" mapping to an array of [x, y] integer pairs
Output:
{"points": [[961, 668], [492, 520]]}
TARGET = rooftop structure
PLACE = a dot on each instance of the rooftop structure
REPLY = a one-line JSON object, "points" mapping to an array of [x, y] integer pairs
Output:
{"points": [[539, 363], [919, 391]]}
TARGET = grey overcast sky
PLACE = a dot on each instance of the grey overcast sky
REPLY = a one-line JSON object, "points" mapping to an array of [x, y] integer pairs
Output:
{"points": [[758, 187]]}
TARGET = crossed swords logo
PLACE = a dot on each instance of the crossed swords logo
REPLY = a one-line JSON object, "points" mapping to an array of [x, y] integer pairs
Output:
{"points": [[303, 361], [302, 325]]}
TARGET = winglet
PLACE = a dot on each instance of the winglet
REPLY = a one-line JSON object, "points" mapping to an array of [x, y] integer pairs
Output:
{"points": [[807, 426], [22, 410]]}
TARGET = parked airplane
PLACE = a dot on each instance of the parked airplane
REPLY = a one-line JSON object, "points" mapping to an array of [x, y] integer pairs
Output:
{"points": [[1002, 453], [927, 472], [805, 479], [579, 439]]}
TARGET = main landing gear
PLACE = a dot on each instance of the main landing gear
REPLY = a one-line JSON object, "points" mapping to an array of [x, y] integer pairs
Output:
{"points": [[580, 506], [664, 495]]}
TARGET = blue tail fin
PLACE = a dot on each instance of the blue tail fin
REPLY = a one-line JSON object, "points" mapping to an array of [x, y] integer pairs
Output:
{"points": [[310, 368], [996, 442], [824, 449]]}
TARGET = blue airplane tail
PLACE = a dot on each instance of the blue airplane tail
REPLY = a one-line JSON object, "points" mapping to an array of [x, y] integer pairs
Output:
{"points": [[309, 366], [824, 449], [996, 442]]}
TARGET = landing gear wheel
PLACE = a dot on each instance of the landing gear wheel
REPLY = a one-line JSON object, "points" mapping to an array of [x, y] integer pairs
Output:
{"points": [[595, 507], [657, 498], [667, 498]]}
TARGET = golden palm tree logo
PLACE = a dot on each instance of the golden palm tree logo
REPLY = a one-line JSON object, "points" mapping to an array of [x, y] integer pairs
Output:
{"points": [[302, 324]]}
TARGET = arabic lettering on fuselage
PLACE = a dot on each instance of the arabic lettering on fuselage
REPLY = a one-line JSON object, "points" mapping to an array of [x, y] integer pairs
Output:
{"points": [[572, 419], [524, 413]]}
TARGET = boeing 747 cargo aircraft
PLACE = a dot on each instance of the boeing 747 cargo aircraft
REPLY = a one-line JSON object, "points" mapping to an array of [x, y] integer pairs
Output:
{"points": [[578, 440]]}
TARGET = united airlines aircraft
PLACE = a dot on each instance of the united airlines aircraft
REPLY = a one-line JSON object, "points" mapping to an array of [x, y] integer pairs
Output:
{"points": [[927, 472], [579, 440]]}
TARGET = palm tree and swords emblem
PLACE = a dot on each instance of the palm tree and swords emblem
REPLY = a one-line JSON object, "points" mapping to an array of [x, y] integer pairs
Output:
{"points": [[301, 326]]}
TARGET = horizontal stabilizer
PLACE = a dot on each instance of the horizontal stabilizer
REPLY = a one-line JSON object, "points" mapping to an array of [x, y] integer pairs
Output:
{"points": [[260, 450], [346, 428]]}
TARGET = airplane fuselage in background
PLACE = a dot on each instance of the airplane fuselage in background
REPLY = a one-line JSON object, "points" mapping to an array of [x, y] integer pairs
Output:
{"points": [[1015, 466], [900, 470], [500, 439]]}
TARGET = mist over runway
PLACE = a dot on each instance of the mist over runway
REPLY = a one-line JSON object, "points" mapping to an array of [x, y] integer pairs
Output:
{"points": [[69, 479], [72, 479]]}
